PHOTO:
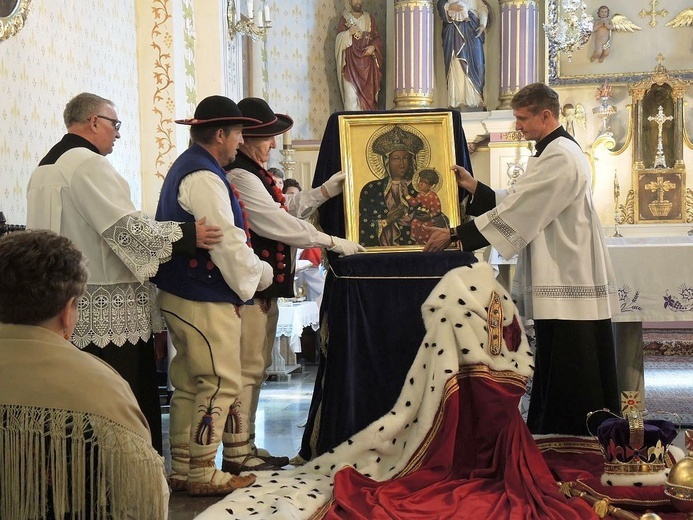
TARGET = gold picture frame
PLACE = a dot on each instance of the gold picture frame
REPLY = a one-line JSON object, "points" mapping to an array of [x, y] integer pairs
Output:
{"points": [[415, 148], [13, 15]]}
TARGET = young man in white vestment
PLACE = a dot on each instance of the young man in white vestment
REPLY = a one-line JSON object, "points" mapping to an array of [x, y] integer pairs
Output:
{"points": [[564, 280], [77, 193]]}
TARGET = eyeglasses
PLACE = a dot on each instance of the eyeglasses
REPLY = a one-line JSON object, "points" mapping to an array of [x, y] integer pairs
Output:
{"points": [[116, 123]]}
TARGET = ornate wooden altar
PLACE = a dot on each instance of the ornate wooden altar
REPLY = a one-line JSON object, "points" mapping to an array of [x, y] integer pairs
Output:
{"points": [[659, 192]]}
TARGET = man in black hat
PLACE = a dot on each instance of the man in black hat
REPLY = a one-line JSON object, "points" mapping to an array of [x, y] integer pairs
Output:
{"points": [[275, 233], [77, 193], [202, 299]]}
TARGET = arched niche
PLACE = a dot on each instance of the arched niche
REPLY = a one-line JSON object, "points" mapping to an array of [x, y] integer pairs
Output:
{"points": [[659, 172]]}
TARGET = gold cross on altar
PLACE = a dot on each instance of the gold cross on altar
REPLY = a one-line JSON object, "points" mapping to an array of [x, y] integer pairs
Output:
{"points": [[653, 13], [660, 186]]}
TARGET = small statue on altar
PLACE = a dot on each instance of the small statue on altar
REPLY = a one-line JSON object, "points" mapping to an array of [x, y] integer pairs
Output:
{"points": [[359, 57], [572, 114]]}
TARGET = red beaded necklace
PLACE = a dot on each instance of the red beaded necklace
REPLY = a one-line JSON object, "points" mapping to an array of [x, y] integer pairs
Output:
{"points": [[277, 194]]}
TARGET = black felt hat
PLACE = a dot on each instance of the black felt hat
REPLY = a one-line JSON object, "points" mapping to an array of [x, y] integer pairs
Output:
{"points": [[271, 124], [216, 110]]}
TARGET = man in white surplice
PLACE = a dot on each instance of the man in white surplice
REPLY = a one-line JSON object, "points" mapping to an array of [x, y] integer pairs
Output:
{"points": [[564, 280], [76, 192]]}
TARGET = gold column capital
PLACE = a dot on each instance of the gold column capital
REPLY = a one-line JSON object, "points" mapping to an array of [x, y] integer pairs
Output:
{"points": [[413, 4], [517, 3]]}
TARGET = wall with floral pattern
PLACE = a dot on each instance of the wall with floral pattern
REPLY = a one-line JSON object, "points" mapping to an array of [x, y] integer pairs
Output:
{"points": [[65, 48]]}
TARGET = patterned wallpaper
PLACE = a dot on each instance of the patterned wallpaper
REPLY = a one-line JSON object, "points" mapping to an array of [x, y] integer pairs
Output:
{"points": [[64, 49]]}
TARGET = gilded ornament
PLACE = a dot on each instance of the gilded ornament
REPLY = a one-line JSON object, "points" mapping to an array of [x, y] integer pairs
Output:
{"points": [[13, 19]]}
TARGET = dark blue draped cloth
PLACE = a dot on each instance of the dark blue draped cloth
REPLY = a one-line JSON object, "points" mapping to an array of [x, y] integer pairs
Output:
{"points": [[372, 304]]}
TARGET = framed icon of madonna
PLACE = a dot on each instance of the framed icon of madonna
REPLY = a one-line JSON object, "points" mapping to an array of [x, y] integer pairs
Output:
{"points": [[398, 185]]}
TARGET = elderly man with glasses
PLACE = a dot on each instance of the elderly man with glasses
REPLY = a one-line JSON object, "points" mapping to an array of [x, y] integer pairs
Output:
{"points": [[77, 193]]}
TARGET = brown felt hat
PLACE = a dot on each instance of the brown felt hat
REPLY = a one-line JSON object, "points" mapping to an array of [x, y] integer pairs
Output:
{"points": [[216, 110], [271, 124]]}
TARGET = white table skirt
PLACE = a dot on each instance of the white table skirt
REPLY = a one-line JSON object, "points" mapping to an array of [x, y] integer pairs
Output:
{"points": [[295, 316], [654, 276]]}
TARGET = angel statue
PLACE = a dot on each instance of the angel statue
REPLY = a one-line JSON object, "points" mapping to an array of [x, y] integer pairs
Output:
{"points": [[601, 31], [570, 115], [683, 19]]}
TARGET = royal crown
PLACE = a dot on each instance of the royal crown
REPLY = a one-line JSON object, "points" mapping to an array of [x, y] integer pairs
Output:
{"points": [[634, 448]]}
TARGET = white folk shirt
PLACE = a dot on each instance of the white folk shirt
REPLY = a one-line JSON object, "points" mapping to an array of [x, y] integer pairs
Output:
{"points": [[269, 220], [203, 194], [83, 198], [563, 268]]}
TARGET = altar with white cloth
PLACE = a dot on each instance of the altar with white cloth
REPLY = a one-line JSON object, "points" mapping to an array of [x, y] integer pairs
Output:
{"points": [[294, 316], [654, 278]]}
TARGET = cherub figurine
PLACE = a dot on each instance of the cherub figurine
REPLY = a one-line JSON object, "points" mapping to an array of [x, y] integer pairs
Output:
{"points": [[601, 31], [570, 115]]}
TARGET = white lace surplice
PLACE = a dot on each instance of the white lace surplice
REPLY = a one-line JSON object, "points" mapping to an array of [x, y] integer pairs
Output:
{"points": [[84, 198]]}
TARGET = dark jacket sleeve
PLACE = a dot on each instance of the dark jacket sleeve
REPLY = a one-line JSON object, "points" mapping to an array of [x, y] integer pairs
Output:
{"points": [[484, 200], [187, 245]]}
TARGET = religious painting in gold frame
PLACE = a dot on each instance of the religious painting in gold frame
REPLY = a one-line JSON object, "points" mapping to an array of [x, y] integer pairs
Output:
{"points": [[398, 181]]}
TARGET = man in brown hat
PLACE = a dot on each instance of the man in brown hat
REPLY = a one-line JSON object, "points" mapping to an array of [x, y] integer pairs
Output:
{"points": [[77, 193], [275, 233], [202, 299]]}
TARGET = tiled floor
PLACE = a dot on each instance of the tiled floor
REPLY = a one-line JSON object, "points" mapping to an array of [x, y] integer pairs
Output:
{"points": [[279, 428]]}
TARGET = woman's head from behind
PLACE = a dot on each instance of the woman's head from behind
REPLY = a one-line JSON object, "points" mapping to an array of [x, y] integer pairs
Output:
{"points": [[40, 273]]}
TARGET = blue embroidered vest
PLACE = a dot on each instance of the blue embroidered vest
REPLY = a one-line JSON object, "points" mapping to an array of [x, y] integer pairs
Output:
{"points": [[196, 279]]}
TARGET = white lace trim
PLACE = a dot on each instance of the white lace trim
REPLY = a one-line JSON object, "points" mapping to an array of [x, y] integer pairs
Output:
{"points": [[142, 243], [115, 314]]}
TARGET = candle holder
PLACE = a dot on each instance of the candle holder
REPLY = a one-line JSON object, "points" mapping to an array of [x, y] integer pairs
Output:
{"points": [[618, 217], [246, 25], [605, 110], [289, 164]]}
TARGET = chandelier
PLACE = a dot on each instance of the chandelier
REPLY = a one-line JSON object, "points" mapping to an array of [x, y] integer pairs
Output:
{"points": [[569, 26], [250, 25]]}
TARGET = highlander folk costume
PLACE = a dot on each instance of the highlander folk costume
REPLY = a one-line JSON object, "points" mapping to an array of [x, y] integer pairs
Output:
{"points": [[275, 230], [201, 300]]}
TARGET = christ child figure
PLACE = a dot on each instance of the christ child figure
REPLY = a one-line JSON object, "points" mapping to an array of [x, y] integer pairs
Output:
{"points": [[427, 214], [601, 33]]}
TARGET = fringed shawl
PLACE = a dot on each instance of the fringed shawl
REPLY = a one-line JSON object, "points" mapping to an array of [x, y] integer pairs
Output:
{"points": [[72, 439]]}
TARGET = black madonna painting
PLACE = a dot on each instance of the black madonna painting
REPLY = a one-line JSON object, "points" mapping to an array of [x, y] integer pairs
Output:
{"points": [[399, 185]]}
